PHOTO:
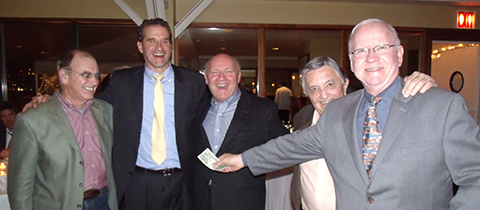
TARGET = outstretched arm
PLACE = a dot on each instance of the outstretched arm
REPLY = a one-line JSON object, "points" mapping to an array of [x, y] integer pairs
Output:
{"points": [[417, 82]]}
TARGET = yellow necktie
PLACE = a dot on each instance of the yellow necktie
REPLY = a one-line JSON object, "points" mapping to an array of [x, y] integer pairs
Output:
{"points": [[159, 151]]}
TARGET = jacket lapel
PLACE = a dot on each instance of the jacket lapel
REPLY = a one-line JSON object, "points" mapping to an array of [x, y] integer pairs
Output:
{"points": [[349, 126], [239, 118], [61, 121], [136, 94], [396, 120]]}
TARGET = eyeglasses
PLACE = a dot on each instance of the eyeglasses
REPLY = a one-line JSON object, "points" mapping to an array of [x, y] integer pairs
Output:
{"points": [[379, 50], [89, 75]]}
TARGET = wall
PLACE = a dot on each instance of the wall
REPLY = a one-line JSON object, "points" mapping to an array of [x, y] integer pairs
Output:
{"points": [[328, 13], [466, 61]]}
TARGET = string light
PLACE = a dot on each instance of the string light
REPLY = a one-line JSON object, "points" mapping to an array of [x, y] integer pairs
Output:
{"points": [[437, 53]]}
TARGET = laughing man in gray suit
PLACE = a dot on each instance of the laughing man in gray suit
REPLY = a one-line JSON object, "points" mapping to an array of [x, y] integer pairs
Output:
{"points": [[427, 141]]}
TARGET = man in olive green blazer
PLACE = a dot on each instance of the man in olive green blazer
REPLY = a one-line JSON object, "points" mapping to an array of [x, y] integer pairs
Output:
{"points": [[47, 168]]}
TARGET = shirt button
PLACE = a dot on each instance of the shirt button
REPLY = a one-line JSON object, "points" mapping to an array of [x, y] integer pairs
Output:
{"points": [[370, 200], [86, 132]]}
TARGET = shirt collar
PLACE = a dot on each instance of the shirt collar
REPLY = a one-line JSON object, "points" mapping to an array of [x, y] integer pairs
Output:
{"points": [[232, 101], [388, 94], [168, 73], [70, 107]]}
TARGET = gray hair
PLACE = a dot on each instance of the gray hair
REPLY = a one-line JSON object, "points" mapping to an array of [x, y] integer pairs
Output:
{"points": [[393, 32], [317, 63]]}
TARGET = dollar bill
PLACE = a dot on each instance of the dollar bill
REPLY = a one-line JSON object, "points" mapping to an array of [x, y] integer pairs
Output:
{"points": [[208, 159]]}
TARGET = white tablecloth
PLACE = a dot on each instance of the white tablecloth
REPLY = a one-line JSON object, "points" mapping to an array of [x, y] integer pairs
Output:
{"points": [[4, 205]]}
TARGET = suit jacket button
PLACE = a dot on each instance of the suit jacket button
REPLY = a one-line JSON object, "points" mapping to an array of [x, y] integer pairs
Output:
{"points": [[81, 184], [370, 200], [79, 206], [81, 163]]}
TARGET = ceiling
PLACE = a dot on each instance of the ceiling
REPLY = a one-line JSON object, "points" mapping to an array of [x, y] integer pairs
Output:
{"points": [[437, 2]]}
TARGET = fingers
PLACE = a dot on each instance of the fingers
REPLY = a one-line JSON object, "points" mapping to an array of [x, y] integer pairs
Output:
{"points": [[35, 101], [233, 162], [417, 82]]}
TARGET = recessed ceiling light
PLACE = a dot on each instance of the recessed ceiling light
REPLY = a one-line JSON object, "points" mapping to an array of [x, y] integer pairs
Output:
{"points": [[275, 49], [17, 46], [223, 48], [228, 30]]}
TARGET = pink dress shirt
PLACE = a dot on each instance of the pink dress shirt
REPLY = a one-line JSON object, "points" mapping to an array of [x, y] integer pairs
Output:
{"points": [[85, 131]]}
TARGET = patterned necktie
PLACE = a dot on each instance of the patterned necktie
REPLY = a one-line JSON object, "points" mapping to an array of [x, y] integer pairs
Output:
{"points": [[159, 151], [371, 135]]}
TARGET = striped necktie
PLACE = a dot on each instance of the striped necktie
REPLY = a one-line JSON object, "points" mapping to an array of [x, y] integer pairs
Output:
{"points": [[371, 135]]}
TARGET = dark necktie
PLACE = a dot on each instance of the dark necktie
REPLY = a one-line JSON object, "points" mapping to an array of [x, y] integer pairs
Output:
{"points": [[371, 135]]}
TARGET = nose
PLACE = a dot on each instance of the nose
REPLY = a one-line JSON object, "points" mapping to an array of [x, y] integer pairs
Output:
{"points": [[372, 55], [93, 80], [323, 93], [221, 75]]}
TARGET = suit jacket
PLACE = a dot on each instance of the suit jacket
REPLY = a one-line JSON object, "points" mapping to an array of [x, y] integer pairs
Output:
{"points": [[3, 136], [255, 122], [303, 118], [46, 168], [125, 93], [429, 141]]}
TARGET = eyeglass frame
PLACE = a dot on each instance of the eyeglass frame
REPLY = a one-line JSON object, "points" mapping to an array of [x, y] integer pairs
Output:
{"points": [[374, 49], [88, 75]]}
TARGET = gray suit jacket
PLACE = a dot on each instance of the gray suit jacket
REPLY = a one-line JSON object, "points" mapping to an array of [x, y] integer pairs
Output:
{"points": [[429, 141], [46, 166]]}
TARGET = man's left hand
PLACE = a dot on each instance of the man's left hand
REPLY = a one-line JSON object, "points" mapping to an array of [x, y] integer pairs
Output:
{"points": [[417, 82]]}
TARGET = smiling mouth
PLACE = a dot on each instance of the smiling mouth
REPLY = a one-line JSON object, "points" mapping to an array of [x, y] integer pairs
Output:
{"points": [[325, 102], [222, 85], [158, 54], [373, 69], [89, 88]]}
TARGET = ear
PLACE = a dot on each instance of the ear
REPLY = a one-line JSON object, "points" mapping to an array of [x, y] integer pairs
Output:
{"points": [[63, 76], [206, 79], [345, 86], [239, 79], [400, 55], [351, 62], [139, 46]]}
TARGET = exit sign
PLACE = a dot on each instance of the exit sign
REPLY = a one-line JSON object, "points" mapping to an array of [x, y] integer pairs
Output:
{"points": [[465, 19]]}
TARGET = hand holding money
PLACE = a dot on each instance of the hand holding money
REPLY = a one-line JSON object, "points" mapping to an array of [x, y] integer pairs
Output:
{"points": [[208, 159], [232, 161]]}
